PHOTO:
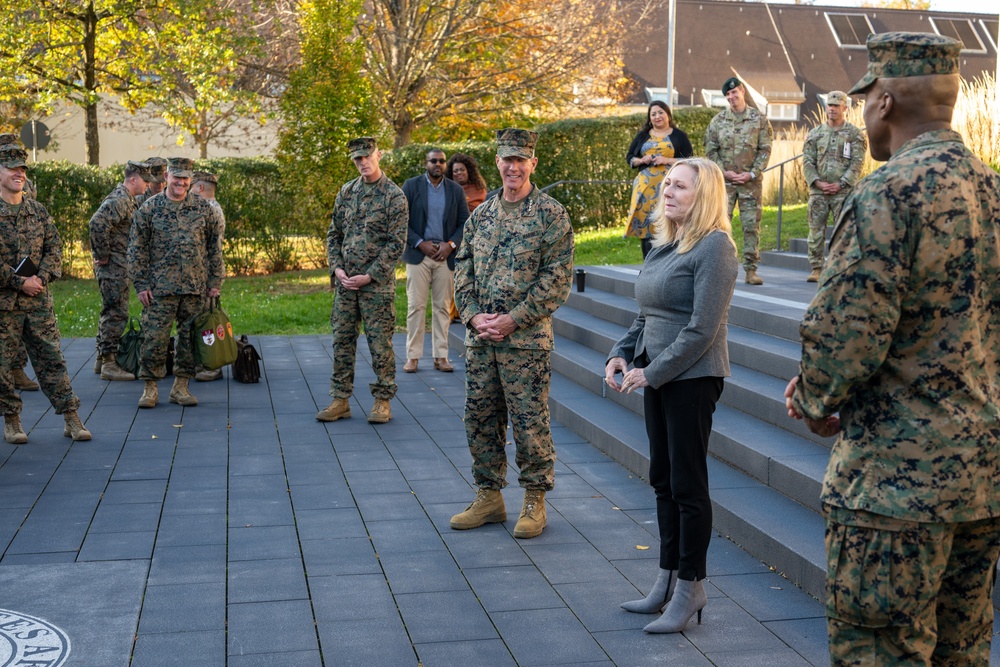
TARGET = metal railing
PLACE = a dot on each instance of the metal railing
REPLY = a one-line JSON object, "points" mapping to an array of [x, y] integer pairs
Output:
{"points": [[781, 192], [552, 185]]}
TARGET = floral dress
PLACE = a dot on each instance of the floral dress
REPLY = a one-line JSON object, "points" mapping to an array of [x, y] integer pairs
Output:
{"points": [[646, 188]]}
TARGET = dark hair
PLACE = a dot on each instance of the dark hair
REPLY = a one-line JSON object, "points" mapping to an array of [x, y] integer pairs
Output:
{"points": [[470, 165], [663, 105]]}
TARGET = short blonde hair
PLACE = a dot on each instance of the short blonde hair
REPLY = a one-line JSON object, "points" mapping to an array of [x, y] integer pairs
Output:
{"points": [[707, 214]]}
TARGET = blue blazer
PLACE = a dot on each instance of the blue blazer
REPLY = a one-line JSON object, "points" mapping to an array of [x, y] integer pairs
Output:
{"points": [[456, 212]]}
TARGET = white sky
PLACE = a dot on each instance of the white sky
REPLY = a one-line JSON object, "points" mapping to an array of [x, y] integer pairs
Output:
{"points": [[976, 6]]}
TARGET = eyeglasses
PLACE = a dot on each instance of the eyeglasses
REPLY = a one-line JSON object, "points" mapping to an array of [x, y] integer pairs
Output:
{"points": [[436, 160]]}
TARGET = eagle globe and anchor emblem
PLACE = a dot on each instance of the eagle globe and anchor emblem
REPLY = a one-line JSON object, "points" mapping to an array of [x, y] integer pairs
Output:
{"points": [[29, 640]]}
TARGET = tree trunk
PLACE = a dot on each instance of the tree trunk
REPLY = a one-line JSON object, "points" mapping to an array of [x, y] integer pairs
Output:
{"points": [[90, 84], [403, 125]]}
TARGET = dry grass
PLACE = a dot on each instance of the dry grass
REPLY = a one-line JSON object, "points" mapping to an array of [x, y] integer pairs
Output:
{"points": [[977, 118]]}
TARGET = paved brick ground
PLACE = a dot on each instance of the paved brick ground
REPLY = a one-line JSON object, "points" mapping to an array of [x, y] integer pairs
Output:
{"points": [[242, 532]]}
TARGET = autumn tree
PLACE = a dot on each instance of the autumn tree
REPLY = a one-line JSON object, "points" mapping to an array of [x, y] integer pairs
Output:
{"points": [[921, 5]]}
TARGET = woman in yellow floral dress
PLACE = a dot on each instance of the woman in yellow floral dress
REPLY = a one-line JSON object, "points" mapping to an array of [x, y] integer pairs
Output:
{"points": [[657, 146]]}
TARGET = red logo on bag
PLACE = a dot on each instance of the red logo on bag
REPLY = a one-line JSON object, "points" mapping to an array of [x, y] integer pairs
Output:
{"points": [[220, 332], [208, 337]]}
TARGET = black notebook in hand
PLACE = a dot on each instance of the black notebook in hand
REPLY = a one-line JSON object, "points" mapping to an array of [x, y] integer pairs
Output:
{"points": [[26, 268]]}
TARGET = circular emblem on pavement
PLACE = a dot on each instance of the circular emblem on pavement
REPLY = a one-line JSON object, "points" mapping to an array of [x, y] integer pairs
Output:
{"points": [[26, 640]]}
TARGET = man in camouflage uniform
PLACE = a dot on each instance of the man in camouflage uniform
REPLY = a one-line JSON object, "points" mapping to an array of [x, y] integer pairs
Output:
{"points": [[109, 230], [903, 339], [364, 242], [175, 262], [19, 377], [739, 140], [157, 179], [31, 256], [513, 270], [204, 184], [831, 159]]}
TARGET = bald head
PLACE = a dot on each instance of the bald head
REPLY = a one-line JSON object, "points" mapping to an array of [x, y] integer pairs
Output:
{"points": [[899, 109]]}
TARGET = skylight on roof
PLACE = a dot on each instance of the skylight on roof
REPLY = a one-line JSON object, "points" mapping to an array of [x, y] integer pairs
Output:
{"points": [[962, 30], [991, 27], [850, 30]]}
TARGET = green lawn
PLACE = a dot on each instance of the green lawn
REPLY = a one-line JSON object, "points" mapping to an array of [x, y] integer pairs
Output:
{"points": [[298, 302]]}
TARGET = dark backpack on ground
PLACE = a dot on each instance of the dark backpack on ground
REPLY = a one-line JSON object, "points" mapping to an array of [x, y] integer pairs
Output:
{"points": [[128, 348], [246, 368]]}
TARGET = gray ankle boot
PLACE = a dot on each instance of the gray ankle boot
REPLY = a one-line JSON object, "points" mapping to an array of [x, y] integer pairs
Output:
{"points": [[689, 599], [658, 596]]}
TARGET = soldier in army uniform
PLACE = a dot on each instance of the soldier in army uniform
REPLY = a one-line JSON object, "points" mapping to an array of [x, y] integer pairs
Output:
{"points": [[157, 179], [21, 380], [204, 184], [31, 256], [109, 230], [739, 140], [364, 243], [513, 270], [175, 262], [831, 159], [903, 340]]}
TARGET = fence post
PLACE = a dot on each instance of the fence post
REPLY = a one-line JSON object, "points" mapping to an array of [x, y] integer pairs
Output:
{"points": [[781, 200]]}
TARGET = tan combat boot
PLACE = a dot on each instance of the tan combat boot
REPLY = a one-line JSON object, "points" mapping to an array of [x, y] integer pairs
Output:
{"points": [[381, 412], [208, 376], [98, 363], [150, 395], [74, 427], [22, 381], [487, 507], [112, 371], [532, 519], [338, 409], [179, 393], [752, 278], [813, 276], [12, 430]]}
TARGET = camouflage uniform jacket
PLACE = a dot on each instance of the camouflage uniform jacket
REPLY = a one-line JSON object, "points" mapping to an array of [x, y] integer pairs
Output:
{"points": [[30, 191], [740, 142], [110, 226], [520, 264], [175, 247], [833, 154], [903, 339], [368, 232], [30, 233]]}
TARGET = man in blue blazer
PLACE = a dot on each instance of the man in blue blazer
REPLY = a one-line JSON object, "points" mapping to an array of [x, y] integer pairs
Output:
{"points": [[438, 211]]}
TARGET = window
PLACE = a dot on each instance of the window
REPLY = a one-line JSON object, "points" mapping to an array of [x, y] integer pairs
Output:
{"points": [[962, 30], [850, 30], [782, 111], [990, 28]]}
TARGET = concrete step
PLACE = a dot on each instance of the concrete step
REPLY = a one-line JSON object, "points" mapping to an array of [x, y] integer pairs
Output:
{"points": [[785, 260], [766, 354]]}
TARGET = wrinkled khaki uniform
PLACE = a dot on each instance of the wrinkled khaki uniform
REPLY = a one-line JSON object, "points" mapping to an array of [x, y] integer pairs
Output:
{"points": [[832, 155], [175, 250], [742, 142], [109, 231], [31, 319], [521, 264], [903, 338], [366, 236]]}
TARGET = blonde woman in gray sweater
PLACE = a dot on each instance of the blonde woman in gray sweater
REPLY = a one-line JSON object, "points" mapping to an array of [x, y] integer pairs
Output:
{"points": [[678, 351]]}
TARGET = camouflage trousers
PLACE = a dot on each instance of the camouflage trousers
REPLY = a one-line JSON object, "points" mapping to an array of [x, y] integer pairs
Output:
{"points": [[377, 310], [909, 594], [113, 283], [500, 383], [820, 209], [157, 320], [749, 198], [36, 331]]}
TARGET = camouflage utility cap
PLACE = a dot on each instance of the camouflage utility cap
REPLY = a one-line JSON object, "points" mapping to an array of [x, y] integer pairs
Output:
{"points": [[731, 82], [8, 138], [513, 142], [205, 177], [182, 167], [836, 97], [361, 147], [140, 168], [157, 168], [12, 155], [894, 55]]}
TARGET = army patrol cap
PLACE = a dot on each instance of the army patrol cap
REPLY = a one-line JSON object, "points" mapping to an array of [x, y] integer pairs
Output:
{"points": [[140, 168], [895, 55], [361, 147], [512, 142], [8, 138], [205, 177], [181, 167], [731, 82], [837, 97], [12, 155]]}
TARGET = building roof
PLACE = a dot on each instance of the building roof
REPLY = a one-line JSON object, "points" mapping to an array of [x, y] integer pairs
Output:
{"points": [[791, 54]]}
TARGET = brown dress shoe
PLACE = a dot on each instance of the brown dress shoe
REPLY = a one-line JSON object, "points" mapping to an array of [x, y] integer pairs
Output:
{"points": [[410, 366], [442, 364]]}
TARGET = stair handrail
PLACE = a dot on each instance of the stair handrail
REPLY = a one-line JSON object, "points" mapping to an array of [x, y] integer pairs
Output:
{"points": [[781, 191]]}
